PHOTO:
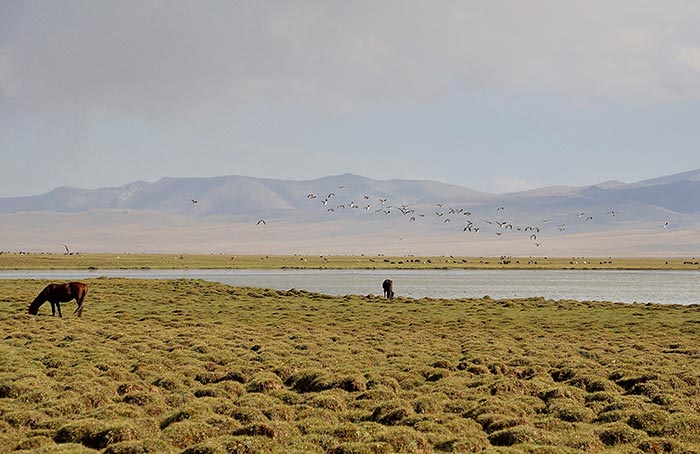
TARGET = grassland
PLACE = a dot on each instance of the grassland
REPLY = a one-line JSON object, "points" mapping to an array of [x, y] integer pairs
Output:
{"points": [[17, 261], [187, 366]]}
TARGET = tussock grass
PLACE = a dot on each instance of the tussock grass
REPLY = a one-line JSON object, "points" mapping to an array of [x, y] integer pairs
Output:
{"points": [[187, 366]]}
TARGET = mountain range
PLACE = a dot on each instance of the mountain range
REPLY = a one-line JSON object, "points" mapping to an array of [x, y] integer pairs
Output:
{"points": [[354, 214]]}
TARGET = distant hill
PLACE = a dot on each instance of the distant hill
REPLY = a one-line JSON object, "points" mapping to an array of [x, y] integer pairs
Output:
{"points": [[234, 195], [348, 213]]}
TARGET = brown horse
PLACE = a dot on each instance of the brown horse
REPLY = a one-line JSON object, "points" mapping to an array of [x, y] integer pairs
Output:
{"points": [[60, 293], [388, 286]]}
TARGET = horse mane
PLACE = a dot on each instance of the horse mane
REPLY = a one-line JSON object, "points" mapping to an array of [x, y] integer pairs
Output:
{"points": [[38, 301]]}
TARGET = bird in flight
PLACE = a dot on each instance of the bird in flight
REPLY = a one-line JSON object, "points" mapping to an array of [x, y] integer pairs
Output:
{"points": [[261, 221], [66, 248], [194, 202], [311, 196]]}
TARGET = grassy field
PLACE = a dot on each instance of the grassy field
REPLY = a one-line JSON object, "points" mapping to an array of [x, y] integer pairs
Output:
{"points": [[16, 261], [187, 366]]}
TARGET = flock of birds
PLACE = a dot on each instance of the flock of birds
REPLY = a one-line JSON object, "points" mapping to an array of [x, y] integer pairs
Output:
{"points": [[498, 224]]}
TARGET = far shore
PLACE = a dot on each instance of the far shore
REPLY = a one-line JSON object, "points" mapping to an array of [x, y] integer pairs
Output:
{"points": [[77, 261]]}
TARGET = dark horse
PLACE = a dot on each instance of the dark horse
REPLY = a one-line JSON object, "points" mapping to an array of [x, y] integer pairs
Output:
{"points": [[388, 286], [60, 293]]}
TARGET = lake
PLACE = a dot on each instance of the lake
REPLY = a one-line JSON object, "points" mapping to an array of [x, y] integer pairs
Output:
{"points": [[664, 287]]}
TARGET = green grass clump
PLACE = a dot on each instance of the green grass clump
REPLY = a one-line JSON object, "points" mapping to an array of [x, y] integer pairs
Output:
{"points": [[173, 366]]}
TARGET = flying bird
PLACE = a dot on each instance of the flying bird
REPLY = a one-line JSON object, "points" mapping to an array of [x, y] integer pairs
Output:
{"points": [[311, 196], [194, 202], [66, 248], [261, 221]]}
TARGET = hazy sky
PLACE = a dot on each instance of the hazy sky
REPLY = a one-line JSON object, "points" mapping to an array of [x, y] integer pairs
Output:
{"points": [[494, 95]]}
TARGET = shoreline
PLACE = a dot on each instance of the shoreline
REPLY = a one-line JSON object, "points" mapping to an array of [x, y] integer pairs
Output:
{"points": [[105, 261]]}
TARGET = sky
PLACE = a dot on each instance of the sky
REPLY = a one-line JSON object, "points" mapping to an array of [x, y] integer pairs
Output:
{"points": [[497, 96]]}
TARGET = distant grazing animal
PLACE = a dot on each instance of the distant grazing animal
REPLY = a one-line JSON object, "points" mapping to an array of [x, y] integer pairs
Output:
{"points": [[388, 286], [60, 293]]}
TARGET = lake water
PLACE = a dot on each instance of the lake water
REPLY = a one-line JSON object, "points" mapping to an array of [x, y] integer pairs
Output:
{"points": [[664, 287]]}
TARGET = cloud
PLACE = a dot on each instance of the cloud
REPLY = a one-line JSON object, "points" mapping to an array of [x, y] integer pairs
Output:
{"points": [[690, 57], [192, 58]]}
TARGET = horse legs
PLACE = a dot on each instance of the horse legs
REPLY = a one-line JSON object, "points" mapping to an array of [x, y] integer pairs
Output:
{"points": [[53, 309]]}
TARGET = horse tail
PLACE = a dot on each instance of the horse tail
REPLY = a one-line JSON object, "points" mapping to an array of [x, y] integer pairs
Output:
{"points": [[82, 291], [38, 301]]}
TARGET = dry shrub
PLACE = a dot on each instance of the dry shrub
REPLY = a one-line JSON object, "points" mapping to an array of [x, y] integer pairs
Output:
{"points": [[351, 383], [618, 433], [9, 391], [95, 434], [186, 433], [178, 416], [513, 435], [68, 448], [663, 446], [562, 392], [592, 383], [684, 426], [114, 432], [170, 382], [464, 442], [275, 430], [378, 393], [310, 380], [348, 432], [362, 448], [562, 374], [404, 439], [652, 422], [493, 422], [77, 431], [24, 418], [569, 411], [273, 408], [33, 442], [147, 446], [329, 400], [430, 403], [386, 381], [265, 382], [391, 413]]}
